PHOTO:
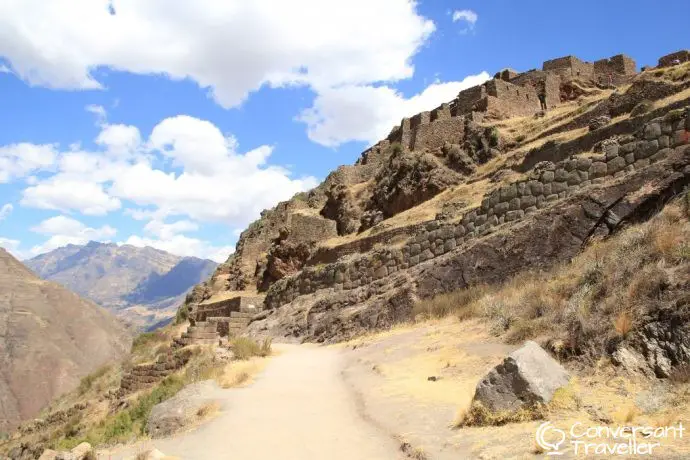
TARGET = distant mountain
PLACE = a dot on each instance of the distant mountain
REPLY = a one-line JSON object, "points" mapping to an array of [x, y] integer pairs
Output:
{"points": [[143, 285], [49, 339]]}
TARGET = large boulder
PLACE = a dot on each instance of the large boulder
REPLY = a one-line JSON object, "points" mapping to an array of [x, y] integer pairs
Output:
{"points": [[526, 378], [182, 410]]}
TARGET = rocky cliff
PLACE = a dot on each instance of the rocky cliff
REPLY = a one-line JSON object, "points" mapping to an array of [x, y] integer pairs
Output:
{"points": [[49, 339]]}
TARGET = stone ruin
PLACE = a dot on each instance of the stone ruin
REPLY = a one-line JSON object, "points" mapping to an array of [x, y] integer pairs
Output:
{"points": [[679, 56], [509, 94], [225, 316]]}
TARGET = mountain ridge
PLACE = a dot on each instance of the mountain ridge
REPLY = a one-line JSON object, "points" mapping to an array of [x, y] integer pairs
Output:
{"points": [[141, 285]]}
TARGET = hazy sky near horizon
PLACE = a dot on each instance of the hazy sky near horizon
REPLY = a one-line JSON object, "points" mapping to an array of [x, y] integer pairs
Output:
{"points": [[173, 124]]}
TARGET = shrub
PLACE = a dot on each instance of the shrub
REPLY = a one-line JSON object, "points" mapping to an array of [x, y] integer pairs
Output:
{"points": [[493, 137], [623, 324], [182, 314], [87, 382], [245, 348], [146, 340]]}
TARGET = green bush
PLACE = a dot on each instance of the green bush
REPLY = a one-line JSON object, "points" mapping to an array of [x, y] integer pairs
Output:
{"points": [[146, 340], [87, 382], [182, 314]]}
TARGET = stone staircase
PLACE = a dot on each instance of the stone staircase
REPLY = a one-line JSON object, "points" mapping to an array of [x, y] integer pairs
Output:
{"points": [[240, 319], [201, 333]]}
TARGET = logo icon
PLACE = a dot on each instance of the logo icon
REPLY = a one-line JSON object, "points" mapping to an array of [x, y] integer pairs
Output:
{"points": [[550, 438]]}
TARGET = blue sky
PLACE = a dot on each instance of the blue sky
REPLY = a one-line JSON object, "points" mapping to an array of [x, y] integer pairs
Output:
{"points": [[172, 124]]}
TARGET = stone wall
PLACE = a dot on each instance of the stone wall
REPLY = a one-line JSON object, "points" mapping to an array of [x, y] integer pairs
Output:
{"points": [[509, 203], [307, 228], [538, 79], [570, 67], [223, 308], [329, 255], [618, 64], [682, 56], [505, 99]]}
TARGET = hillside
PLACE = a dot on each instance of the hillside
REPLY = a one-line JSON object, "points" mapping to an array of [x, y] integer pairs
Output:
{"points": [[473, 192], [471, 229], [49, 339], [142, 285]]}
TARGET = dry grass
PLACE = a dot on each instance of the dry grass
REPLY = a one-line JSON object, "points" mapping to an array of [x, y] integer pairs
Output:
{"points": [[240, 373], [245, 348], [207, 410], [585, 304]]}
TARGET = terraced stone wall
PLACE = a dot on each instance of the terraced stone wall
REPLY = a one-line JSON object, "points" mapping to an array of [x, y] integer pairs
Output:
{"points": [[506, 204]]}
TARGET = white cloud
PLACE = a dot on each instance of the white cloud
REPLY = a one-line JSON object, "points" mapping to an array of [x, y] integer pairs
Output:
{"points": [[231, 47], [65, 230], [12, 246], [183, 246], [64, 193], [368, 113], [469, 17], [97, 110], [166, 231], [214, 181], [5, 211], [20, 160]]}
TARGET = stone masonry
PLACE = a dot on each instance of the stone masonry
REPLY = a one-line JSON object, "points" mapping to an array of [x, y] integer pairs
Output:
{"points": [[509, 94], [509, 203]]}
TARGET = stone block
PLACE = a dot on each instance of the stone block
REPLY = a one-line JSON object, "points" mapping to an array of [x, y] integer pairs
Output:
{"points": [[449, 245], [547, 177], [526, 378], [514, 215], [574, 178], [552, 197], [628, 148], [561, 175], [536, 187], [414, 260], [646, 149], [681, 137], [508, 192], [615, 165], [522, 189], [652, 130], [664, 142], [598, 169], [530, 210], [630, 158], [611, 150], [660, 155], [501, 208], [541, 201], [558, 187], [481, 219], [583, 164], [514, 204], [547, 189], [528, 201], [459, 230]]}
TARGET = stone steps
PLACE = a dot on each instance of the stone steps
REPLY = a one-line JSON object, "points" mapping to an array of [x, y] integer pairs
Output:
{"points": [[241, 314]]}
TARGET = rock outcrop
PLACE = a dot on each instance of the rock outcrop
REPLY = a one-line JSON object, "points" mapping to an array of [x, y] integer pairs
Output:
{"points": [[527, 377], [182, 410]]}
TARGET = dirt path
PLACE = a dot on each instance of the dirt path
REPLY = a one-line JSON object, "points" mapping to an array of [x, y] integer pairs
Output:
{"points": [[298, 408]]}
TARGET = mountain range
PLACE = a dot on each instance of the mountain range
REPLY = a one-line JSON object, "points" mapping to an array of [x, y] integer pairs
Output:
{"points": [[141, 285]]}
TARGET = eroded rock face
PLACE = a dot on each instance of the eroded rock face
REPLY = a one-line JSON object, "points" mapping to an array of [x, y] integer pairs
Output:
{"points": [[181, 410], [341, 207], [410, 179], [527, 377]]}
